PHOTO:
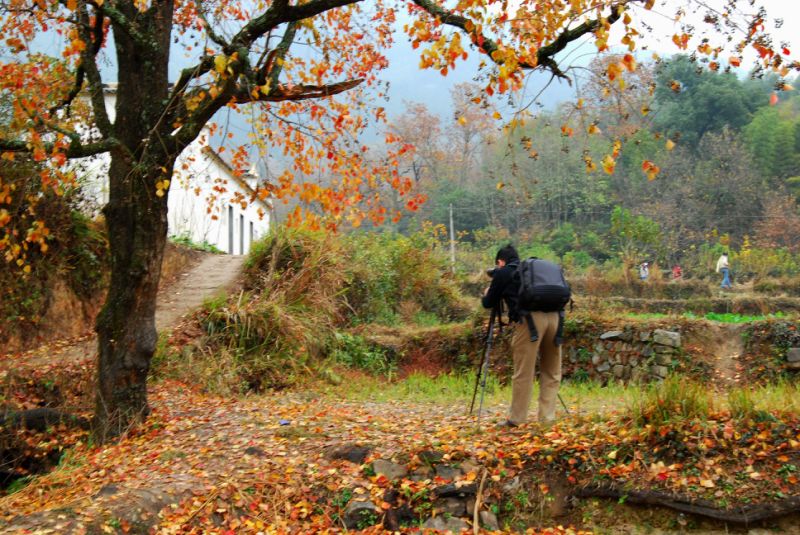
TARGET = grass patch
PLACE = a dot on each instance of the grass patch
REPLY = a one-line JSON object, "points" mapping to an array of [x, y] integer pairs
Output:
{"points": [[730, 317], [456, 388], [676, 398], [449, 388], [758, 403], [186, 241]]}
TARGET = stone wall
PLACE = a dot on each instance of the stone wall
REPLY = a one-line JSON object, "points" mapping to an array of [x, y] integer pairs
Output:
{"points": [[638, 355]]}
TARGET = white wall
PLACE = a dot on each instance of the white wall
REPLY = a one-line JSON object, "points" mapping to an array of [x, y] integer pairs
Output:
{"points": [[196, 209], [204, 214]]}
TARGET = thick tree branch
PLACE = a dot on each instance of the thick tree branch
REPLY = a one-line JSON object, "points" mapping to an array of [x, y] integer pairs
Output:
{"points": [[75, 149], [280, 92], [94, 38], [273, 67], [123, 23], [747, 514], [89, 65], [279, 13], [545, 56]]}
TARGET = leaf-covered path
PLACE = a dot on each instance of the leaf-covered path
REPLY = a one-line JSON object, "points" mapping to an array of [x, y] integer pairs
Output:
{"points": [[263, 464]]}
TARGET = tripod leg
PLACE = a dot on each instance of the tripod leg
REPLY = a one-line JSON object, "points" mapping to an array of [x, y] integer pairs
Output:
{"points": [[482, 363], [485, 370]]}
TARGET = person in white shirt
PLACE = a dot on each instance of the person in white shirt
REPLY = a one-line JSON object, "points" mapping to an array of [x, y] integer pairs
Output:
{"points": [[724, 267]]}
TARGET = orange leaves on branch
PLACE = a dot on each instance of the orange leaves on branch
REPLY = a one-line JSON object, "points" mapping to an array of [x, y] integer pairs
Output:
{"points": [[629, 62], [681, 41]]}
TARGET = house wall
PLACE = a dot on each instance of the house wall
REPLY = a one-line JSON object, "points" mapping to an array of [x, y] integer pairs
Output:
{"points": [[204, 214], [196, 209]]}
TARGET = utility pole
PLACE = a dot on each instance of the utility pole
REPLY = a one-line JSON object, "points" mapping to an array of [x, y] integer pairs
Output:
{"points": [[452, 242]]}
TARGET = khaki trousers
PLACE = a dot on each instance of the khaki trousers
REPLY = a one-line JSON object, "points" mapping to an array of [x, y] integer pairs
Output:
{"points": [[525, 352]]}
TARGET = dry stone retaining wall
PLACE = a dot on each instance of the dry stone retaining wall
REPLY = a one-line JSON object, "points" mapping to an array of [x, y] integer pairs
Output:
{"points": [[637, 355]]}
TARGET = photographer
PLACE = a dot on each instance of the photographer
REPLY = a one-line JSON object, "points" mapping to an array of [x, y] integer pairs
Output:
{"points": [[505, 286]]}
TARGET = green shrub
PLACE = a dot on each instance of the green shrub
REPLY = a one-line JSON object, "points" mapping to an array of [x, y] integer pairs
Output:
{"points": [[302, 287], [186, 241], [355, 352]]}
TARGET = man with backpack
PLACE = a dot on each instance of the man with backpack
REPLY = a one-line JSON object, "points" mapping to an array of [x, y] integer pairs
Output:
{"points": [[535, 293]]}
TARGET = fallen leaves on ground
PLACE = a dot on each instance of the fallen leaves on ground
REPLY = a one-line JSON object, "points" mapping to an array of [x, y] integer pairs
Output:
{"points": [[260, 464]]}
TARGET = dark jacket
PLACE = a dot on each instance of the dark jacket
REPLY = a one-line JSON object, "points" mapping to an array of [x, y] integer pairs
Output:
{"points": [[506, 287]]}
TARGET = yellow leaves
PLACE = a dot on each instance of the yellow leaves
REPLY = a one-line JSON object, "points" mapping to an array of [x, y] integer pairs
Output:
{"points": [[222, 64], [609, 163], [496, 115], [566, 131], [161, 187], [591, 167], [735, 61], [645, 110], [707, 483], [499, 186], [650, 169], [72, 5], [670, 144], [612, 455], [579, 104], [462, 120], [593, 129]]}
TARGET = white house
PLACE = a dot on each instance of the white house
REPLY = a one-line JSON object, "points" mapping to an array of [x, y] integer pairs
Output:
{"points": [[209, 201]]}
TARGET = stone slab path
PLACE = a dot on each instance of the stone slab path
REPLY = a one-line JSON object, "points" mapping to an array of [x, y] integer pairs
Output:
{"points": [[213, 275]]}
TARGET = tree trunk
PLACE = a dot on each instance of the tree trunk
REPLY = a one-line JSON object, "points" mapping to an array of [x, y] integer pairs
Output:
{"points": [[137, 229], [136, 219]]}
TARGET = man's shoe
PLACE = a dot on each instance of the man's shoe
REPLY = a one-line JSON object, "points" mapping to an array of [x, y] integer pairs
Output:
{"points": [[507, 424]]}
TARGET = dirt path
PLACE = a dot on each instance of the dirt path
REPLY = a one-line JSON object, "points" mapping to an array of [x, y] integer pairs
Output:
{"points": [[211, 275], [729, 348], [721, 345]]}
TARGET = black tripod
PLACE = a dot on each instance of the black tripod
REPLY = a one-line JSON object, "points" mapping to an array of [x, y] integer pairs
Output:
{"points": [[483, 368]]}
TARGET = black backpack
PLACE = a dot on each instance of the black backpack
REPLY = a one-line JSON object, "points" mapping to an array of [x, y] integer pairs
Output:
{"points": [[542, 288]]}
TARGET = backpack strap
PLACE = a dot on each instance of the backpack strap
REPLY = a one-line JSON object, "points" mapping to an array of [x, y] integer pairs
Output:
{"points": [[560, 330], [531, 326]]}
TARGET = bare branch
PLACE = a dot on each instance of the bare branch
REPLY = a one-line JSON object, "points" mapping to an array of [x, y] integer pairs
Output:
{"points": [[226, 46]]}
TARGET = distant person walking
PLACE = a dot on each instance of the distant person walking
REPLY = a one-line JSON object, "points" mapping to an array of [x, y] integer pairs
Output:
{"points": [[723, 266], [644, 271]]}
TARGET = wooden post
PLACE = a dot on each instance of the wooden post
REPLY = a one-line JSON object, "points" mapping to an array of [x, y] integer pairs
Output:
{"points": [[452, 242]]}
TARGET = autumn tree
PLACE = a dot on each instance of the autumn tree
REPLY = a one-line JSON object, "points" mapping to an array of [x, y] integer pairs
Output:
{"points": [[780, 224], [239, 55]]}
